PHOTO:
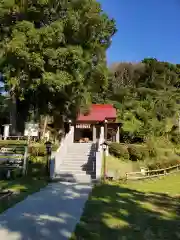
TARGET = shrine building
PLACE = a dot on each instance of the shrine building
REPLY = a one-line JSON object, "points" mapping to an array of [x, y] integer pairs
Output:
{"points": [[99, 121]]}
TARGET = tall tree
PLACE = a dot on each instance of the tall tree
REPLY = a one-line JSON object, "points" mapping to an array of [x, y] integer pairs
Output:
{"points": [[146, 95], [53, 54]]}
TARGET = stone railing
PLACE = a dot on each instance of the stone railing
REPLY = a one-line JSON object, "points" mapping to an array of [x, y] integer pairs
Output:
{"points": [[99, 155], [63, 149]]}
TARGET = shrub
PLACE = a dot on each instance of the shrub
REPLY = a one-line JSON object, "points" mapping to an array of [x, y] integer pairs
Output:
{"points": [[151, 149], [175, 138], [39, 149], [37, 167], [119, 150], [163, 163], [34, 149], [5, 143], [137, 152]]}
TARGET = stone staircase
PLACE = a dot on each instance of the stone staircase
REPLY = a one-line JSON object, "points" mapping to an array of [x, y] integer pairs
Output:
{"points": [[78, 164]]}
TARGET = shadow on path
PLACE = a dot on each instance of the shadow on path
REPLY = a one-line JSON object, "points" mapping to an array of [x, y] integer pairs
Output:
{"points": [[51, 213]]}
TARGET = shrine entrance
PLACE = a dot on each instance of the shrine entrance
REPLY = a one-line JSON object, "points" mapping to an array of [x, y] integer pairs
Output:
{"points": [[101, 120], [83, 133]]}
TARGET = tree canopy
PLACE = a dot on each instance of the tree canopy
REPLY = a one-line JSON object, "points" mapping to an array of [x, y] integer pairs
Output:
{"points": [[146, 95], [53, 54]]}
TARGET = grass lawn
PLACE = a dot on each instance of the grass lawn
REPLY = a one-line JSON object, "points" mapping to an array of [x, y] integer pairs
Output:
{"points": [[148, 210], [121, 167], [22, 187]]}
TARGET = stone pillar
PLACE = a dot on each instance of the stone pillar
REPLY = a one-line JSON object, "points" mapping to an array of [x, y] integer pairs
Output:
{"points": [[118, 135], [94, 133], [6, 131], [105, 131], [72, 132], [102, 132]]}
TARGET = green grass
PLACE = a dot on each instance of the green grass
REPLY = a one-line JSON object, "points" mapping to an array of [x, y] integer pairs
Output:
{"points": [[121, 167], [22, 187], [35, 180], [136, 210]]}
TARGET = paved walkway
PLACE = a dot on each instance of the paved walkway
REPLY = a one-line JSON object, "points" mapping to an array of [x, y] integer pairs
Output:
{"points": [[51, 213]]}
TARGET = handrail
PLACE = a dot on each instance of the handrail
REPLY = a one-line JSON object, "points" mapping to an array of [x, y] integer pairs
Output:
{"points": [[99, 155], [100, 140], [64, 145]]}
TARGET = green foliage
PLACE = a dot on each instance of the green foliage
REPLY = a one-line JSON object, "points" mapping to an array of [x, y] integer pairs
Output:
{"points": [[130, 151], [37, 167], [138, 152], [4, 143], [38, 149], [156, 153], [34, 149], [163, 163], [175, 135], [119, 150], [53, 52], [146, 96], [151, 145]]}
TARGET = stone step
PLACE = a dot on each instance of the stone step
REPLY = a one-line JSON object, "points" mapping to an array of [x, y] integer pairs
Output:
{"points": [[74, 168], [72, 162], [73, 178], [75, 157], [82, 146], [80, 151], [86, 156], [72, 171], [79, 155], [74, 146], [85, 160], [77, 164]]}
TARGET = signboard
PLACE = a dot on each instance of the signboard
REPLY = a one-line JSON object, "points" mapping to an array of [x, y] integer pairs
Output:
{"points": [[84, 126], [31, 129]]}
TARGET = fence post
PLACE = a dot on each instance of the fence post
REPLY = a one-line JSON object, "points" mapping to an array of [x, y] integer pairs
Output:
{"points": [[126, 176], [25, 161]]}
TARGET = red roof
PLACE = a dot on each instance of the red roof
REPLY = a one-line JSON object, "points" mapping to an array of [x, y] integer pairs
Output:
{"points": [[98, 113]]}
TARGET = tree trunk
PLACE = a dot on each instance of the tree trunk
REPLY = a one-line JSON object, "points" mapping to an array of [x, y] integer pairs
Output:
{"points": [[45, 126], [13, 114]]}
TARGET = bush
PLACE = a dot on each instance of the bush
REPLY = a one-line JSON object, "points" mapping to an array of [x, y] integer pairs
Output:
{"points": [[38, 149], [137, 152], [5, 143], [163, 163], [118, 150], [34, 149], [37, 167], [151, 149], [175, 138]]}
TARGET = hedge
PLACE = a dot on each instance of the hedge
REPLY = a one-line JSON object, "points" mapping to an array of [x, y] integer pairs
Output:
{"points": [[5, 143], [138, 152], [118, 150], [34, 149], [131, 151]]}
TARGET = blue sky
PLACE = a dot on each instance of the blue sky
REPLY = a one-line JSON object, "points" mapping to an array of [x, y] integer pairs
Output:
{"points": [[146, 28]]}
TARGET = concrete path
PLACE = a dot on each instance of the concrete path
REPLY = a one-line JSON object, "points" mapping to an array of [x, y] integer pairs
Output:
{"points": [[51, 213]]}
